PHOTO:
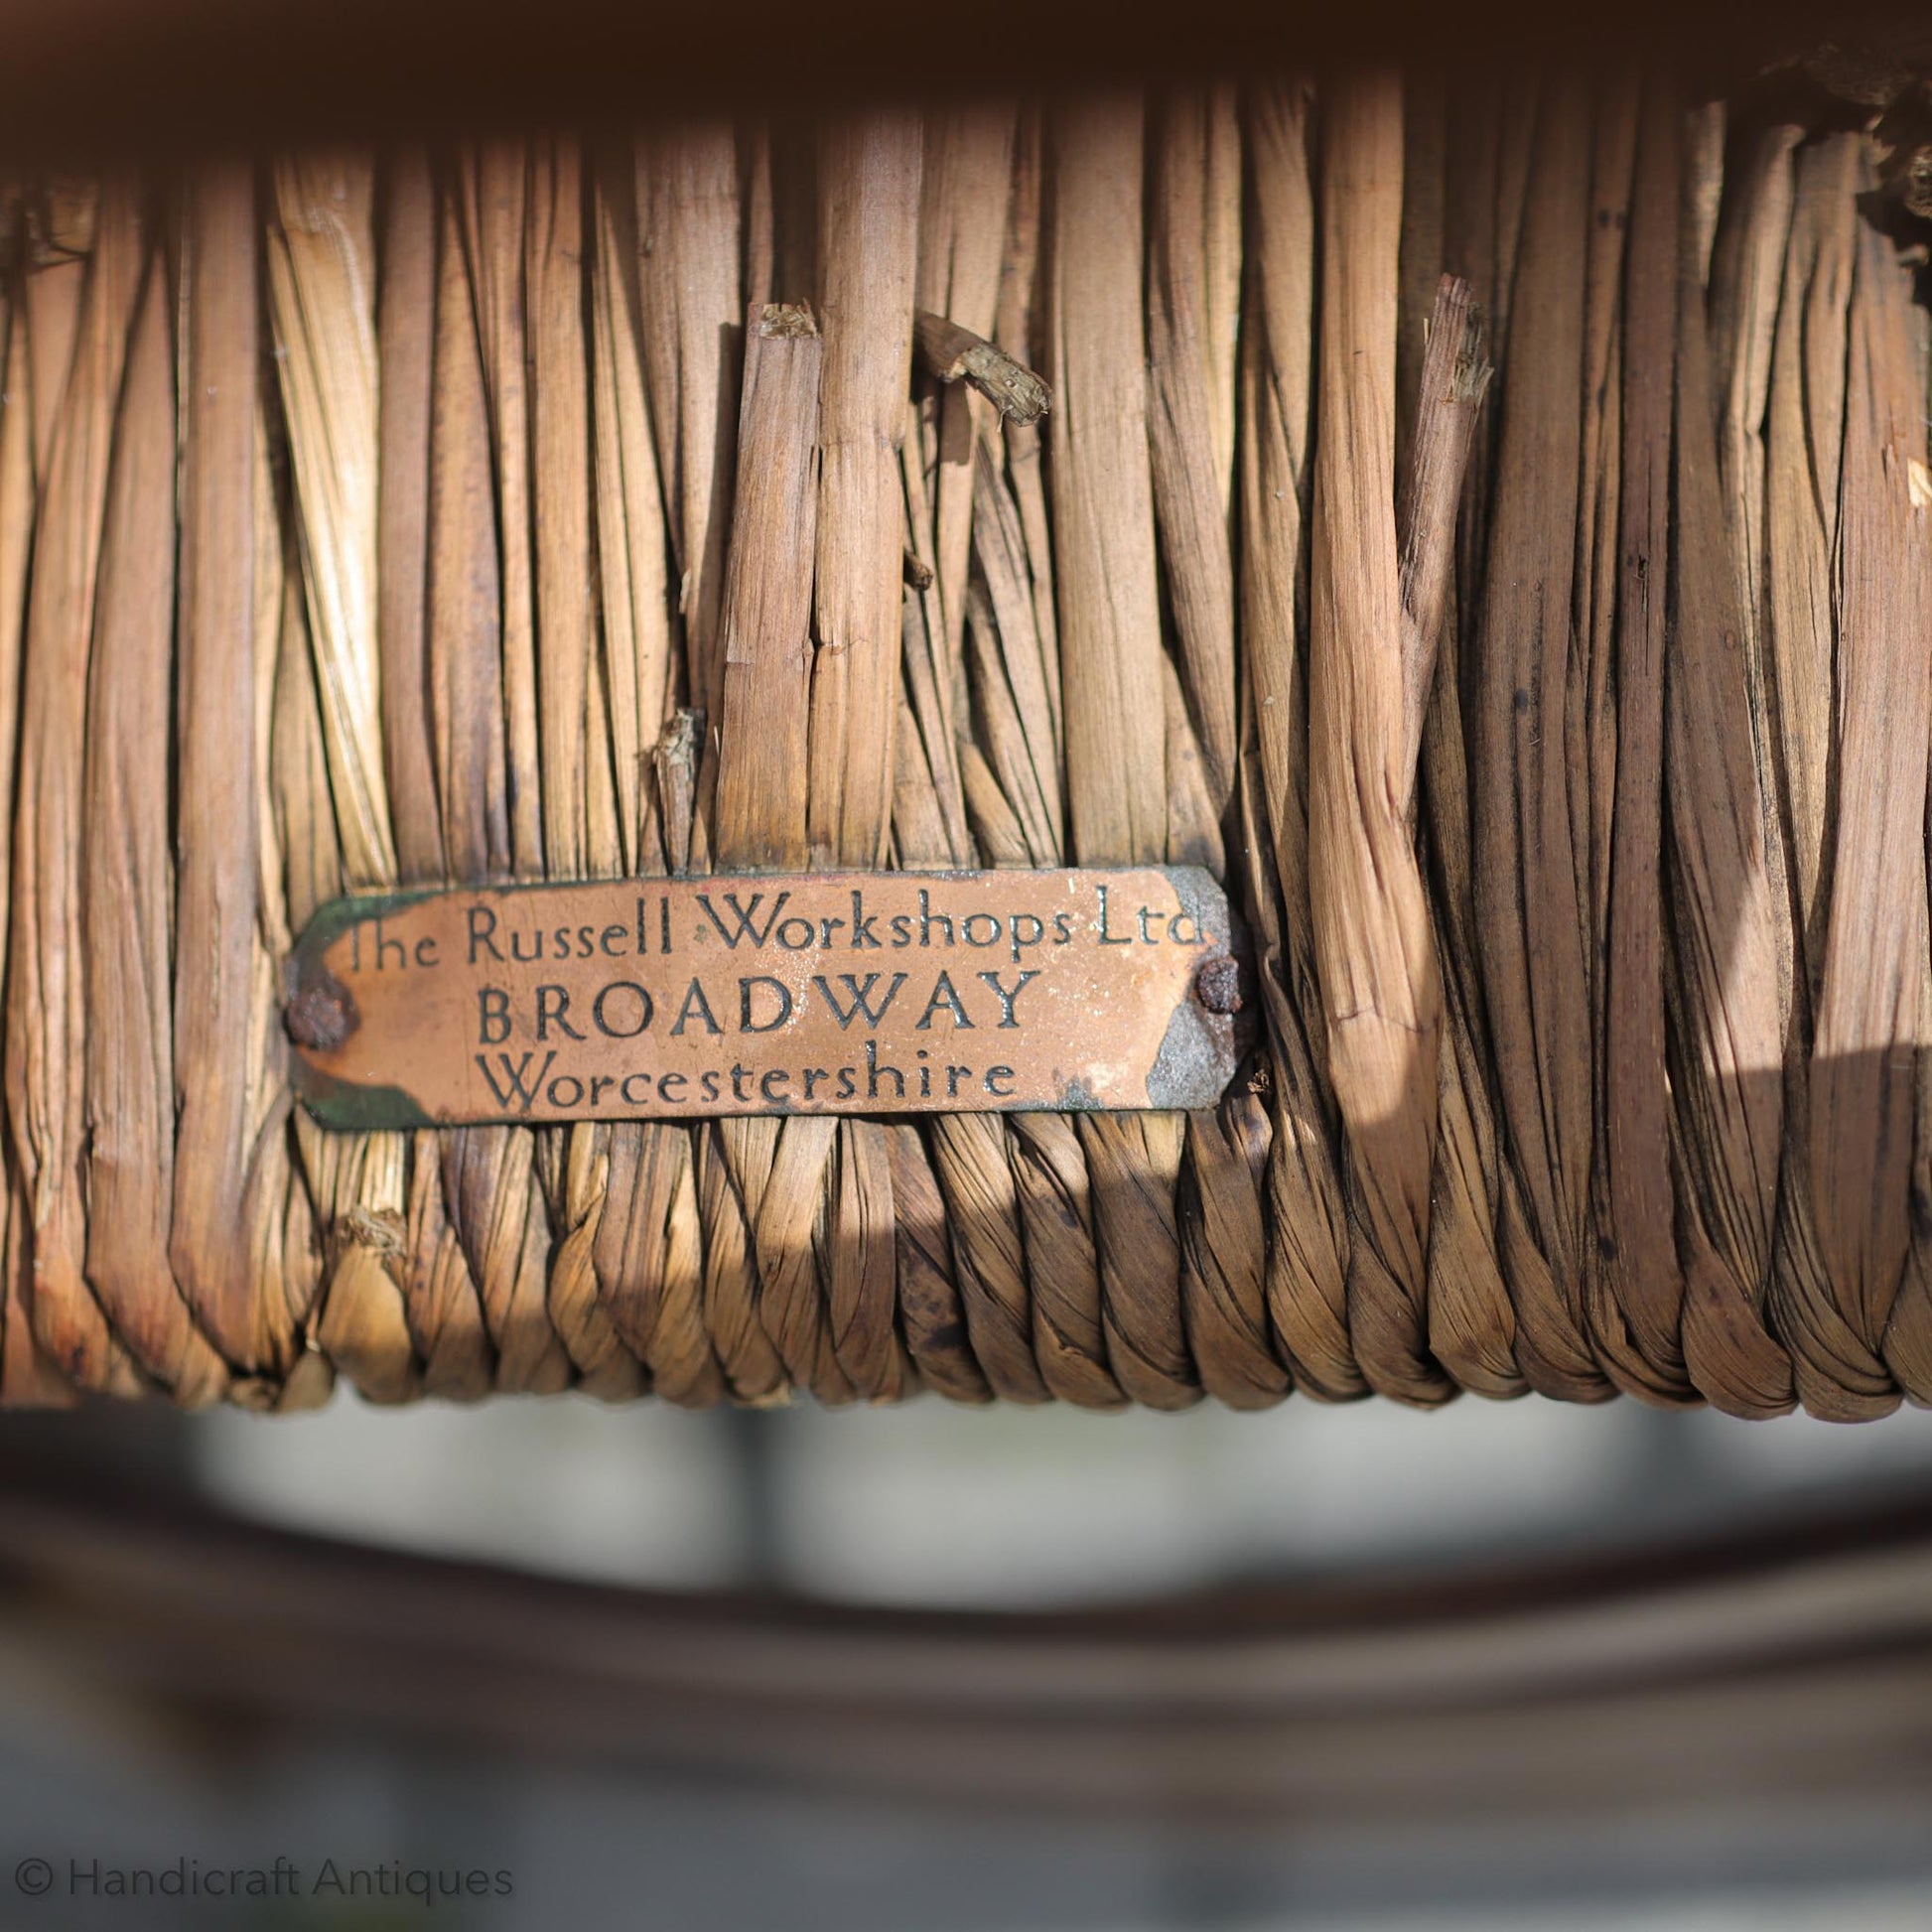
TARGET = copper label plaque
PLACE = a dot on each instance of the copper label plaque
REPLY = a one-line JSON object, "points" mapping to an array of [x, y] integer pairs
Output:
{"points": [[843, 992]]}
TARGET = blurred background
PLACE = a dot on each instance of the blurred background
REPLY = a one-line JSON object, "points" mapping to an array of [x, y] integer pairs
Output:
{"points": [[973, 1671]]}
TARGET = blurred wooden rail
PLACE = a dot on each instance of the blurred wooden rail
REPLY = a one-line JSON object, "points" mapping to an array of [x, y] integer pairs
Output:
{"points": [[108, 76], [1794, 1660]]}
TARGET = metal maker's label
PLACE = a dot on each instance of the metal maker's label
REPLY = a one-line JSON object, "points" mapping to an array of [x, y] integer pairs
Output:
{"points": [[846, 993]]}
